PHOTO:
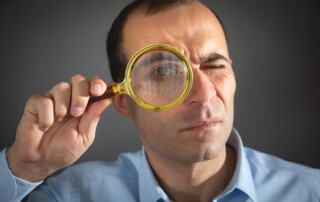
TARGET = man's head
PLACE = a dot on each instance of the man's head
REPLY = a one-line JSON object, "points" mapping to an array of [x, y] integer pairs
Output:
{"points": [[198, 128], [117, 58]]}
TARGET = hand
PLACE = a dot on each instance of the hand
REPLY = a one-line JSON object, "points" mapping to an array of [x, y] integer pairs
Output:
{"points": [[53, 133]]}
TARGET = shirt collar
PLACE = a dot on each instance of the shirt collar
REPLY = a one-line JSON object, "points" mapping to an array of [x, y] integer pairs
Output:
{"points": [[242, 178], [150, 190]]}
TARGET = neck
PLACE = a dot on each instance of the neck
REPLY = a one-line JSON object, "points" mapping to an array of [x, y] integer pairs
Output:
{"points": [[199, 181]]}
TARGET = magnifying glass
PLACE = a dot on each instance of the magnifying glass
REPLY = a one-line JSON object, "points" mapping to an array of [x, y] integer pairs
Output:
{"points": [[158, 77]]}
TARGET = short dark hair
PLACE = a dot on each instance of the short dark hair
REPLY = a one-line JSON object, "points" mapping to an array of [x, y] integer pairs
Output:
{"points": [[116, 56]]}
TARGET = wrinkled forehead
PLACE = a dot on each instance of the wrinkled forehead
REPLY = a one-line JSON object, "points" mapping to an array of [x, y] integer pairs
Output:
{"points": [[190, 28]]}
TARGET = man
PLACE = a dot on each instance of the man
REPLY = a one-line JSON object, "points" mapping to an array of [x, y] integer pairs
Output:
{"points": [[191, 153]]}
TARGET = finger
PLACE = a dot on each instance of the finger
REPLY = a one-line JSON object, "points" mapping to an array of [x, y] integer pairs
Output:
{"points": [[80, 94], [33, 123], [61, 94], [97, 86], [91, 117], [44, 109]]}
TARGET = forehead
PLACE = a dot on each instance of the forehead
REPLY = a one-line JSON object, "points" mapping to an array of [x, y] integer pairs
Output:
{"points": [[191, 28]]}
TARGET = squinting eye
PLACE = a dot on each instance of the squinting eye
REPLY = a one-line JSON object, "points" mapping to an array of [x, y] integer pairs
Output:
{"points": [[217, 66], [212, 66]]}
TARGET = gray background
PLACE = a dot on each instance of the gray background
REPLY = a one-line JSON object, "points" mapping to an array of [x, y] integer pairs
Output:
{"points": [[274, 46]]}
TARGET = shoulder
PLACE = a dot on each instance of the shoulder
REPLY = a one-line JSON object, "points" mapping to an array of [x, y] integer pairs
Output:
{"points": [[273, 162], [121, 173], [84, 181], [286, 178], [126, 166]]}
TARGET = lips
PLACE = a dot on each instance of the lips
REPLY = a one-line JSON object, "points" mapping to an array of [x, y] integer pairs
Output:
{"points": [[202, 125], [201, 118]]}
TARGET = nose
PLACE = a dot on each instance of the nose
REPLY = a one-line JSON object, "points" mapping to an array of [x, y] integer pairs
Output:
{"points": [[202, 91]]}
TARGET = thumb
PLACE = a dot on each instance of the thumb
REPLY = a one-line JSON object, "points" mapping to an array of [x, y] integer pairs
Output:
{"points": [[90, 118]]}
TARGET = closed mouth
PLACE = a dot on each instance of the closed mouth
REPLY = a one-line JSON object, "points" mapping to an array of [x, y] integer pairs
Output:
{"points": [[202, 126]]}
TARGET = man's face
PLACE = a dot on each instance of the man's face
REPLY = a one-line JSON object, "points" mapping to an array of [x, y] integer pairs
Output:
{"points": [[198, 128]]}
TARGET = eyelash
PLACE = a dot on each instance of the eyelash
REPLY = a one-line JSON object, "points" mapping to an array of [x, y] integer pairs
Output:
{"points": [[218, 66], [213, 67]]}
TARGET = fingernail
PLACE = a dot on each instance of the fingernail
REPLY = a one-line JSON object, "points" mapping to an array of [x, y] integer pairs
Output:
{"points": [[59, 119], [97, 89], [44, 129], [76, 111]]}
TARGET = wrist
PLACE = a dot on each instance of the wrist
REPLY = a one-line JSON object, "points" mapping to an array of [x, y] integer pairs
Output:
{"points": [[29, 171]]}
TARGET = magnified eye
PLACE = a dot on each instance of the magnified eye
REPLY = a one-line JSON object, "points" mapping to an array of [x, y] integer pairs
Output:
{"points": [[167, 73], [162, 71], [160, 77]]}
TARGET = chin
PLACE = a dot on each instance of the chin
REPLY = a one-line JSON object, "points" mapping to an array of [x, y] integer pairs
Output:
{"points": [[205, 145], [203, 151], [208, 152]]}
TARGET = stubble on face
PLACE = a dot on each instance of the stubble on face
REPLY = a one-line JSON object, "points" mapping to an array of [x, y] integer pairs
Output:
{"points": [[170, 134]]}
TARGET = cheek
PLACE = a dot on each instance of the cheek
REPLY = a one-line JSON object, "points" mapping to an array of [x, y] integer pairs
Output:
{"points": [[225, 86], [156, 131], [150, 124]]}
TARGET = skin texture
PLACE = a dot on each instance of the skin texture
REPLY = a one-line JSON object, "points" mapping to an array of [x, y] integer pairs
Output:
{"points": [[186, 146], [53, 133]]}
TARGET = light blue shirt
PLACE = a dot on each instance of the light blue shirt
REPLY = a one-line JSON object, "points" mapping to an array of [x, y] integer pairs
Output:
{"points": [[257, 177]]}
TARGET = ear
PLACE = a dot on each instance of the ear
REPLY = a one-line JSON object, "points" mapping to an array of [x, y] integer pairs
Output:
{"points": [[120, 102]]}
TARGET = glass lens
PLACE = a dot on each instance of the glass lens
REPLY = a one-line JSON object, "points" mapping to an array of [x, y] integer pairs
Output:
{"points": [[158, 77]]}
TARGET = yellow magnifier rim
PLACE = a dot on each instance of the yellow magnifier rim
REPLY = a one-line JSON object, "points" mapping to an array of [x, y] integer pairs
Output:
{"points": [[125, 87]]}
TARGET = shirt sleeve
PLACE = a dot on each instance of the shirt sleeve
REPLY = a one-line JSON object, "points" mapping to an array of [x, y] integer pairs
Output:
{"points": [[12, 188]]}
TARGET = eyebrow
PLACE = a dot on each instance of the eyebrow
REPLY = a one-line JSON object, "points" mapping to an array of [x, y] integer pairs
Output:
{"points": [[156, 57], [213, 57]]}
